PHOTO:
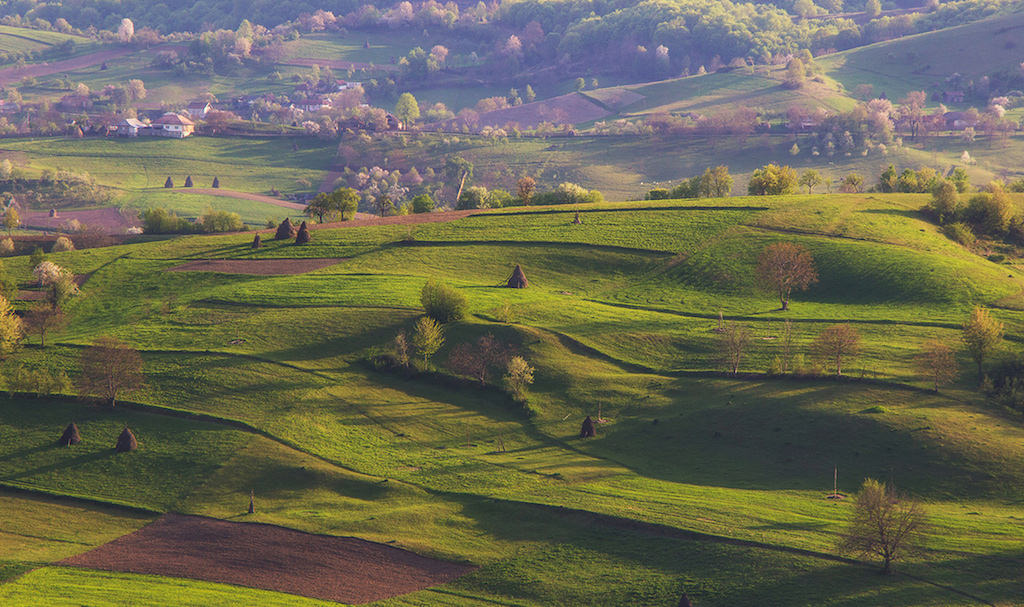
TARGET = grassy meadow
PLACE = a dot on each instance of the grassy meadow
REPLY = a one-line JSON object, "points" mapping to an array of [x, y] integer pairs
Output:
{"points": [[698, 482]]}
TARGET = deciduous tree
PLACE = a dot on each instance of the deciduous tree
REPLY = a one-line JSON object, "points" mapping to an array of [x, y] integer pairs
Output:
{"points": [[783, 267], [836, 343], [885, 524], [732, 344], [937, 362], [981, 335], [427, 338], [11, 328], [518, 375], [110, 367], [809, 179], [772, 180]]}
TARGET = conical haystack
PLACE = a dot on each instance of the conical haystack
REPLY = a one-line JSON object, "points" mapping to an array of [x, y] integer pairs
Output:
{"points": [[256, 242], [169, 183], [216, 182], [303, 236], [126, 442], [684, 601], [285, 231], [188, 181], [518, 279], [588, 430], [70, 436]]}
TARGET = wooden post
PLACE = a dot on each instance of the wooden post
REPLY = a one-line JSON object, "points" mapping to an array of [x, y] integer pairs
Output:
{"points": [[252, 501]]}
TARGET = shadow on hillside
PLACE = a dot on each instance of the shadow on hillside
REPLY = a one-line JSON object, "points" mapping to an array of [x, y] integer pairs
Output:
{"points": [[790, 435]]}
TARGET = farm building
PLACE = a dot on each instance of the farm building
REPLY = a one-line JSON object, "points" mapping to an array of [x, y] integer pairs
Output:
{"points": [[197, 110], [130, 127], [173, 125], [958, 121]]}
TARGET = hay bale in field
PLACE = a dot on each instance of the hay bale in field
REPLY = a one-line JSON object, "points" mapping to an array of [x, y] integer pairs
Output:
{"points": [[169, 183], [70, 436], [285, 231], [188, 181], [216, 182], [303, 236], [588, 430], [684, 601], [53, 212], [518, 279], [126, 441], [256, 242]]}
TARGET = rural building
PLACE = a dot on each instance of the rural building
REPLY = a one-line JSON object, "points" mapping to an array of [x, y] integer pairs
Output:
{"points": [[958, 121], [313, 104], [130, 127], [173, 125], [343, 85], [197, 110]]}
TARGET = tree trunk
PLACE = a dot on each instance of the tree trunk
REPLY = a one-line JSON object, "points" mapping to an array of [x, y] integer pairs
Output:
{"points": [[462, 183], [785, 304]]}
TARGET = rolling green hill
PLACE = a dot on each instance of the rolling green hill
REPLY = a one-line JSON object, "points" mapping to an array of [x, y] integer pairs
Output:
{"points": [[697, 481]]}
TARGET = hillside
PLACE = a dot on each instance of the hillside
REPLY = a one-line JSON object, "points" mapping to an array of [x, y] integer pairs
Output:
{"points": [[697, 481]]}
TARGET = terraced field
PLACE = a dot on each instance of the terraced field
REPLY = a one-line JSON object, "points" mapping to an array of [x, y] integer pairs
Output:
{"points": [[697, 482]]}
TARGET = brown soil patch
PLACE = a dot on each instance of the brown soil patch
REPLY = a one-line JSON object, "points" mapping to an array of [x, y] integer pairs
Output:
{"points": [[259, 267], [295, 206], [343, 569], [109, 220], [37, 70]]}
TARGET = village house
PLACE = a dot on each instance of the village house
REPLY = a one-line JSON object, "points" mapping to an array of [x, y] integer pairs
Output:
{"points": [[130, 127], [197, 110], [174, 125], [313, 104], [958, 121]]}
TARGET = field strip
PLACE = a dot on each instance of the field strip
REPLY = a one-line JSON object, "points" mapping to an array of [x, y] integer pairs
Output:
{"points": [[709, 316], [527, 244], [566, 209], [36, 70], [800, 232], [295, 206]]}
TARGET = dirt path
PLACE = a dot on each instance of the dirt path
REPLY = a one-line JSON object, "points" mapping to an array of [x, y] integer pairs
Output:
{"points": [[295, 206], [37, 70], [344, 569]]}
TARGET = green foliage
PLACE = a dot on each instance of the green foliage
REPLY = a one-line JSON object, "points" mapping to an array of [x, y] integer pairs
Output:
{"points": [[989, 212], [443, 302], [158, 220], [943, 204], [772, 180], [567, 193], [220, 221], [427, 338], [959, 232], [423, 203]]}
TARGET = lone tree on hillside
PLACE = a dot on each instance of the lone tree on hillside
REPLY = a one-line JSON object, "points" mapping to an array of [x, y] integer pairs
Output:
{"points": [[981, 335], [518, 375], [884, 524], [732, 344], [109, 367], [783, 267], [407, 109], [427, 338], [937, 362], [810, 179], [525, 188], [42, 318], [836, 343]]}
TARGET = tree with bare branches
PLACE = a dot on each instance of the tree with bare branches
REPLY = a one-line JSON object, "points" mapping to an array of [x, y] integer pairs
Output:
{"points": [[937, 362], [732, 344], [836, 343], [44, 317], [109, 367], [784, 267], [477, 359], [885, 524]]}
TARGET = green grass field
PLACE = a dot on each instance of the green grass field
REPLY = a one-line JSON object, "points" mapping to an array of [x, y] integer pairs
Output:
{"points": [[20, 40], [618, 319]]}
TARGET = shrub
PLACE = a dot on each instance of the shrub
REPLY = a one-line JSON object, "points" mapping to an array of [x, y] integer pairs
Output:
{"points": [[658, 194], [474, 197], [221, 221], [6, 246], [157, 220], [443, 302], [989, 213], [568, 193], [959, 232], [63, 243], [423, 204]]}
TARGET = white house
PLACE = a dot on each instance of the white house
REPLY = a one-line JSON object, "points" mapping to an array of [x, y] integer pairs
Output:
{"points": [[174, 125], [130, 127]]}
